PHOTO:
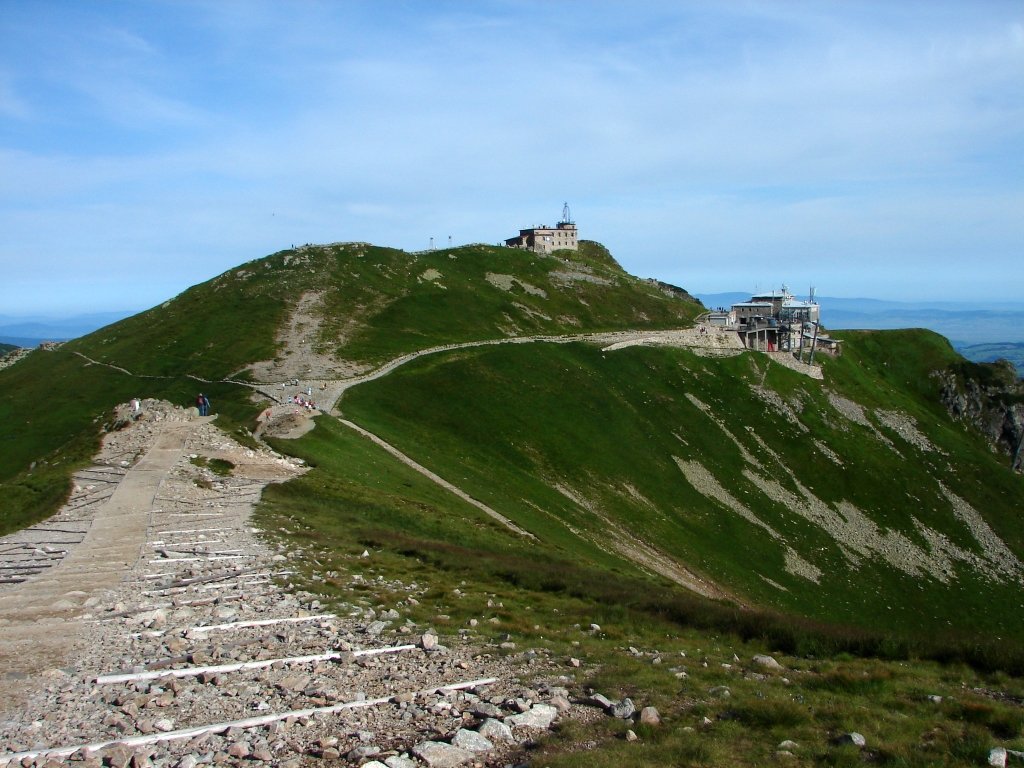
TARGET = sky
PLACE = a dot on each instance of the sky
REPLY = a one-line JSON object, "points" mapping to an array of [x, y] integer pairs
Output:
{"points": [[865, 148]]}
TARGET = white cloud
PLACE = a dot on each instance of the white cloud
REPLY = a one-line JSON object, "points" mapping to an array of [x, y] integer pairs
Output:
{"points": [[203, 134]]}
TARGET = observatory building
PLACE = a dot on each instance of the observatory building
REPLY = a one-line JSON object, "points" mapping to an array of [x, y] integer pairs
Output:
{"points": [[545, 239]]}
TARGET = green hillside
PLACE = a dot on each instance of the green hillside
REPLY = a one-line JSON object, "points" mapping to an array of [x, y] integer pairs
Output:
{"points": [[565, 439], [371, 304], [684, 500]]}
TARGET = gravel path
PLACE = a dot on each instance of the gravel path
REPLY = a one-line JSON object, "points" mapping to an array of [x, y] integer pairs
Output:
{"points": [[171, 633]]}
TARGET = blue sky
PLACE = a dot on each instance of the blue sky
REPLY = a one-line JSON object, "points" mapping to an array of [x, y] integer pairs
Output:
{"points": [[867, 148]]}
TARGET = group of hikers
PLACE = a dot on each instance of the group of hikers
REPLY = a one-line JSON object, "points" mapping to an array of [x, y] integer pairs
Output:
{"points": [[306, 401]]}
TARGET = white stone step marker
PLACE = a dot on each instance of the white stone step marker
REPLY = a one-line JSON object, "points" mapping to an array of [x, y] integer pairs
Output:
{"points": [[259, 623], [217, 669]]}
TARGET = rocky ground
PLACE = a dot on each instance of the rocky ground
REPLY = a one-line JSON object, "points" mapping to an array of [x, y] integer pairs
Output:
{"points": [[198, 649]]}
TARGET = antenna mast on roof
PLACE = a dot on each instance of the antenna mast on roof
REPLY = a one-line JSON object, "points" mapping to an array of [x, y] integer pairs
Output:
{"points": [[566, 217]]}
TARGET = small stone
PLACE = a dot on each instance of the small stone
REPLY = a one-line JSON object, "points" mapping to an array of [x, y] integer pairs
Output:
{"points": [[472, 740], [624, 709], [239, 749], [631, 736], [561, 703], [437, 754], [374, 628], [719, 692], [788, 745], [362, 752], [574, 662], [496, 731], [540, 717], [601, 701], [188, 761], [428, 641], [650, 716], [767, 662], [997, 757]]}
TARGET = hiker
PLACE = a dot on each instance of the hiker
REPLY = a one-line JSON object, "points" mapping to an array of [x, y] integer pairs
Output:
{"points": [[206, 406], [199, 403]]}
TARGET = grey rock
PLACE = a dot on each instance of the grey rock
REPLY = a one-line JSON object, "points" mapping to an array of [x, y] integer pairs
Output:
{"points": [[601, 701], [650, 716], [788, 745], [361, 752], [496, 731], [720, 692], [768, 662], [631, 736], [540, 717], [471, 740], [561, 703], [484, 709], [239, 749], [624, 709], [437, 754], [374, 628], [997, 756], [400, 761]]}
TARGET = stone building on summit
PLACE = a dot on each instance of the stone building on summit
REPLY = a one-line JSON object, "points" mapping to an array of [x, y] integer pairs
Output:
{"points": [[545, 239]]}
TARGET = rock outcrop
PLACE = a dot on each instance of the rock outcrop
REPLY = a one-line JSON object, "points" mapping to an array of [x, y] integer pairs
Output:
{"points": [[990, 398]]}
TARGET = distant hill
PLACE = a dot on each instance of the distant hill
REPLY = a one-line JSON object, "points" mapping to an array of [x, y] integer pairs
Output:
{"points": [[30, 331], [989, 353], [5, 348]]}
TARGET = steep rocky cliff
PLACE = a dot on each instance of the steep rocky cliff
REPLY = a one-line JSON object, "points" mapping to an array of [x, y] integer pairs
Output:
{"points": [[990, 398]]}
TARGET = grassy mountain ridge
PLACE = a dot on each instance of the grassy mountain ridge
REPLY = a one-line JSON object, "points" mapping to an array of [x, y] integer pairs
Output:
{"points": [[844, 523], [371, 304], [375, 303]]}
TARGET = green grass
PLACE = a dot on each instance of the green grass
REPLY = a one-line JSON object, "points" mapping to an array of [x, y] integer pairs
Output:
{"points": [[546, 598], [526, 419]]}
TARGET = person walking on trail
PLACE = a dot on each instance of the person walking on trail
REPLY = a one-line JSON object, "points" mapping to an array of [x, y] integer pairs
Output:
{"points": [[206, 406], [203, 404]]}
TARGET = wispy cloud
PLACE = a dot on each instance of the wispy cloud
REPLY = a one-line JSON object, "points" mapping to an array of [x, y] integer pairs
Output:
{"points": [[814, 134]]}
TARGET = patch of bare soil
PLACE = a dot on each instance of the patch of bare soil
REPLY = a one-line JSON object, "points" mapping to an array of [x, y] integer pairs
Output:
{"points": [[297, 340]]}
